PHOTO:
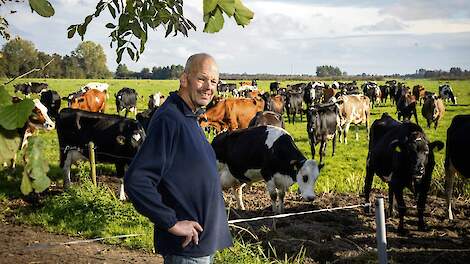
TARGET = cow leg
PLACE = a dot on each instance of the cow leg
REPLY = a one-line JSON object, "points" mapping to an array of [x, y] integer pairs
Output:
{"points": [[322, 150], [390, 201], [120, 171], [122, 194], [282, 194], [401, 209], [435, 124], [416, 116], [346, 131], [333, 145], [357, 131], [429, 123], [368, 185], [272, 190], [238, 192], [449, 185]]}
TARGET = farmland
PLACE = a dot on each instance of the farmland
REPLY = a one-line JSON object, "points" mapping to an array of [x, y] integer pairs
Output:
{"points": [[340, 183]]}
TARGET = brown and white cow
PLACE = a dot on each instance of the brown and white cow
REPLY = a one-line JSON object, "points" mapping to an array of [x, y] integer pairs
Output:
{"points": [[419, 92], [38, 120], [355, 109], [231, 113], [92, 100], [433, 109]]}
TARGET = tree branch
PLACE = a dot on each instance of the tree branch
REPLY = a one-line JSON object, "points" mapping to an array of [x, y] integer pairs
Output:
{"points": [[31, 71]]}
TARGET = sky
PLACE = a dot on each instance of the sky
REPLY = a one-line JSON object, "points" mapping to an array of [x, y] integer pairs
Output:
{"points": [[284, 37]]}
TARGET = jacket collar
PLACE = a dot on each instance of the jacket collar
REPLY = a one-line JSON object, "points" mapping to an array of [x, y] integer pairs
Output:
{"points": [[183, 107]]}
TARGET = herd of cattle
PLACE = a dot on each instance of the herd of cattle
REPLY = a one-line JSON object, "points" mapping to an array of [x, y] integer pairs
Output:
{"points": [[251, 143]]}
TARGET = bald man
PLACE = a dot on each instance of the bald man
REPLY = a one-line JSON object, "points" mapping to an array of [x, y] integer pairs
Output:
{"points": [[173, 179]]}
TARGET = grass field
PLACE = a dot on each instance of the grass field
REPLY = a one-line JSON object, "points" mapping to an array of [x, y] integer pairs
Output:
{"points": [[342, 173], [90, 212]]}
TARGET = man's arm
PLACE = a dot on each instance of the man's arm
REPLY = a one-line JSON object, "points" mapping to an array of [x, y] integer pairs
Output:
{"points": [[147, 169]]}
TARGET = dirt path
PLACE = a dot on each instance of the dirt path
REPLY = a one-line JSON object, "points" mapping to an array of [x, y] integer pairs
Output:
{"points": [[25, 244]]}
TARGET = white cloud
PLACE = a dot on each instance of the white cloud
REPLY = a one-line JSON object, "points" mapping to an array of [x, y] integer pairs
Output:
{"points": [[284, 36]]}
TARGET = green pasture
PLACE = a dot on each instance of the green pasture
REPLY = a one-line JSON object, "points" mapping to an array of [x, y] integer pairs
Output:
{"points": [[95, 212], [342, 173]]}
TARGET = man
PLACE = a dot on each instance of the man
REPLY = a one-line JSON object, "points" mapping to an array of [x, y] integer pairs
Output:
{"points": [[173, 179]]}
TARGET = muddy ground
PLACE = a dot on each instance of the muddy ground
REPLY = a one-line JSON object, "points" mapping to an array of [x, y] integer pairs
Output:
{"points": [[348, 236], [345, 236]]}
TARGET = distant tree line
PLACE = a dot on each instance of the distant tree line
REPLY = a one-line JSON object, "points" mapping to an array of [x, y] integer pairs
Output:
{"points": [[453, 73], [328, 70], [88, 60], [157, 73]]}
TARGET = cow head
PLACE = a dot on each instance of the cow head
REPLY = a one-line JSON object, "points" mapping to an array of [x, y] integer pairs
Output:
{"points": [[415, 152], [307, 175], [39, 118]]}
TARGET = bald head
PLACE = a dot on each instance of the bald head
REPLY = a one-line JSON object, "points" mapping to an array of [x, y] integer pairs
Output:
{"points": [[198, 83], [194, 62]]}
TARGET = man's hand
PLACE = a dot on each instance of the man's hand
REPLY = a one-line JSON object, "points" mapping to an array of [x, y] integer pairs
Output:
{"points": [[187, 229]]}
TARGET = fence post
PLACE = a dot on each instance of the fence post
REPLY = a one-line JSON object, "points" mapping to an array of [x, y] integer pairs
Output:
{"points": [[380, 230], [91, 147]]}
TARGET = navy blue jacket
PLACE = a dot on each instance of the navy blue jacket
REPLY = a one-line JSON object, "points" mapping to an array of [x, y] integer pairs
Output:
{"points": [[174, 177]]}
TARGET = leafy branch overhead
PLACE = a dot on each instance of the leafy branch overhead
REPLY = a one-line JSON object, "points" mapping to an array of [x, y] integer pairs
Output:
{"points": [[135, 17]]}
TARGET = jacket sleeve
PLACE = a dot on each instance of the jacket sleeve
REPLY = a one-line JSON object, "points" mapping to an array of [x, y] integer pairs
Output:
{"points": [[147, 170]]}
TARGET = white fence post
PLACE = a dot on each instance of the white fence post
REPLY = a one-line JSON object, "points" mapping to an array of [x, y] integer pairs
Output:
{"points": [[381, 233]]}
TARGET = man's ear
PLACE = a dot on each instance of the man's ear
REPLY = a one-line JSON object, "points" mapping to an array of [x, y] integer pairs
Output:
{"points": [[184, 80]]}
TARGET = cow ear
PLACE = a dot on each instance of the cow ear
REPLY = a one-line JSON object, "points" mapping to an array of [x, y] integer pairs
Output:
{"points": [[439, 144]]}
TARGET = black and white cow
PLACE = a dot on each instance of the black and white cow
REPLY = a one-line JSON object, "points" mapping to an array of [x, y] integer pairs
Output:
{"points": [[322, 125], [313, 92], [116, 139], [446, 93], [30, 87], [456, 161], [274, 87], [293, 105], [401, 155], [155, 100], [264, 153], [126, 99], [52, 101]]}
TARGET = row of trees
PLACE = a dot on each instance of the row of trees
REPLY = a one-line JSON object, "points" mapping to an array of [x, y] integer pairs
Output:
{"points": [[88, 60], [454, 72], [157, 73]]}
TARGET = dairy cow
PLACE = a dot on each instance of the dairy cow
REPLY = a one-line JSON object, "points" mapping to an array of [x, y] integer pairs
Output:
{"points": [[456, 160], [433, 109], [116, 139], [52, 101], [126, 99], [401, 155], [264, 153]]}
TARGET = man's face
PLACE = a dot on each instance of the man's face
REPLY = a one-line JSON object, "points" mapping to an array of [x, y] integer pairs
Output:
{"points": [[200, 84]]}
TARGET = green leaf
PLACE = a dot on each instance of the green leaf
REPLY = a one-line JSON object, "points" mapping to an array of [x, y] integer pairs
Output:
{"points": [[36, 167], [9, 144], [26, 187], [81, 30], [131, 53], [209, 5], [71, 32], [228, 6], [215, 23], [112, 10], [110, 25], [243, 15], [15, 115], [119, 55], [42, 7], [5, 98], [169, 29]]}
